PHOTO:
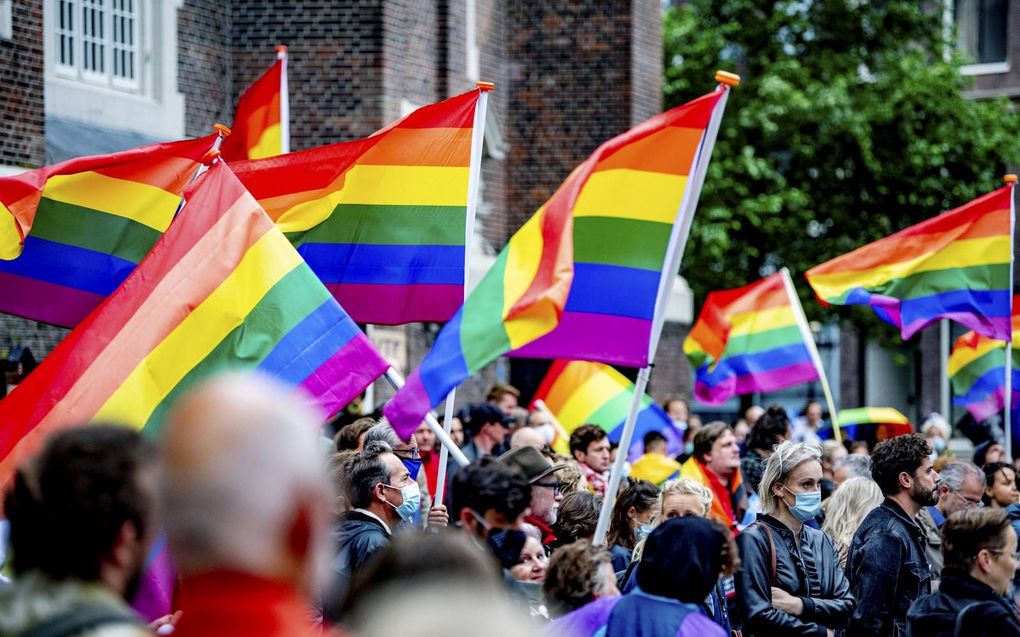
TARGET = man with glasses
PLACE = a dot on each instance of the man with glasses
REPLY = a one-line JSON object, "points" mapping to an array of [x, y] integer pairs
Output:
{"points": [[961, 488], [979, 547], [546, 489]]}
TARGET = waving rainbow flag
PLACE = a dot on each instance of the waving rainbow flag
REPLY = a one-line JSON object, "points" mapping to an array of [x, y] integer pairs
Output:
{"points": [[223, 289], [956, 266], [746, 340], [582, 393], [70, 233], [625, 220], [977, 370], [381, 220], [261, 126]]}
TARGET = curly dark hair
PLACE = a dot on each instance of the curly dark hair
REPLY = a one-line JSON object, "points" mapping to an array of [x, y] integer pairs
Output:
{"points": [[573, 577], [582, 437], [577, 517], [902, 454], [490, 485], [67, 508], [770, 430], [642, 495]]}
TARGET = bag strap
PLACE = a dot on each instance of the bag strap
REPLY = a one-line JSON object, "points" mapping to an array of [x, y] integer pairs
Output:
{"points": [[772, 552], [79, 619]]}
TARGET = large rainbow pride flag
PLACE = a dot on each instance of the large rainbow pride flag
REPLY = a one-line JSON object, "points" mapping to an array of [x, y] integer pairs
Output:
{"points": [[630, 211], [746, 340], [380, 220], [261, 127], [955, 266], [71, 233], [977, 371], [582, 393], [223, 289]]}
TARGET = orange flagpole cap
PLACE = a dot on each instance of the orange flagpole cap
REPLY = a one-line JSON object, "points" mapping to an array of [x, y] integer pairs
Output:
{"points": [[211, 155], [222, 129], [486, 86], [1009, 178], [727, 78], [281, 48]]}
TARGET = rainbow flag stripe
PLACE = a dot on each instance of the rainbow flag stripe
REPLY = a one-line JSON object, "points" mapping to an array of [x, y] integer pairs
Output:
{"points": [[977, 370], [747, 340], [955, 266], [258, 126], [380, 220], [72, 232], [853, 422], [583, 393], [223, 289], [623, 225]]}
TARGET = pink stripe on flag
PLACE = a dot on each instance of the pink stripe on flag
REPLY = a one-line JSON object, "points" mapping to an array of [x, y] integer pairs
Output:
{"points": [[416, 402], [765, 381], [585, 333], [397, 304], [44, 301], [345, 374]]}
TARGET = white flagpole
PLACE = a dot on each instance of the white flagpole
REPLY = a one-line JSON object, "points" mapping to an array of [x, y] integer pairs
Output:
{"points": [[1008, 398], [281, 54], [474, 183], [397, 381], [677, 244], [816, 359]]}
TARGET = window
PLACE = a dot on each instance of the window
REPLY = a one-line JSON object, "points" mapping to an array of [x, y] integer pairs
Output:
{"points": [[97, 41], [981, 30]]}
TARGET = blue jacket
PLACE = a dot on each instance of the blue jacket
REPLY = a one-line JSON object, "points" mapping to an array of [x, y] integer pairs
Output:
{"points": [[887, 570]]}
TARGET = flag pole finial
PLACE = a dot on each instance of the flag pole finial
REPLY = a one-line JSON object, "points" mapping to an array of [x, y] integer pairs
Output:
{"points": [[1009, 178], [222, 129], [281, 48], [727, 78], [486, 86]]}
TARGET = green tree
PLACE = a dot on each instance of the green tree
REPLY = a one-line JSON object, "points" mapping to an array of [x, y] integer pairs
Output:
{"points": [[851, 123]]}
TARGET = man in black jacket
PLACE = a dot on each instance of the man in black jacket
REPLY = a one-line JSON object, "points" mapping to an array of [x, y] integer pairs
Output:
{"points": [[886, 565], [979, 547]]}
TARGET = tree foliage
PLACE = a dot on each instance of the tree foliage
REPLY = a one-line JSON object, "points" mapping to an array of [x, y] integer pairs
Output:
{"points": [[851, 123]]}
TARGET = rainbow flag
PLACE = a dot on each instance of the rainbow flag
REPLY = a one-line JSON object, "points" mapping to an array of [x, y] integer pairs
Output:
{"points": [[381, 220], [881, 423], [261, 126], [641, 189], [582, 393], [71, 233], [956, 266], [977, 370], [746, 340], [223, 289]]}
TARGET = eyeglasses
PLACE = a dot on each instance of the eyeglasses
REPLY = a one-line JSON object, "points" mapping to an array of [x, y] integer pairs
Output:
{"points": [[971, 504], [557, 487], [410, 454], [1015, 554]]}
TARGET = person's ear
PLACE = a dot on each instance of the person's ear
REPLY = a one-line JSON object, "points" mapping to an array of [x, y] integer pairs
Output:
{"points": [[125, 551], [631, 513], [906, 480], [467, 520]]}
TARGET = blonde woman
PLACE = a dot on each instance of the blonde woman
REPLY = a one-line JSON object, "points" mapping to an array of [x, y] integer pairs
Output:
{"points": [[791, 582], [847, 509]]}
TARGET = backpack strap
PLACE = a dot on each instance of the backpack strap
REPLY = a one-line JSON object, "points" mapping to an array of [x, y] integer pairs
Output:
{"points": [[772, 552], [79, 619]]}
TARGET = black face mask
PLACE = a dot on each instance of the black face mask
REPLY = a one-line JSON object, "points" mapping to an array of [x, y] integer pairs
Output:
{"points": [[506, 545]]}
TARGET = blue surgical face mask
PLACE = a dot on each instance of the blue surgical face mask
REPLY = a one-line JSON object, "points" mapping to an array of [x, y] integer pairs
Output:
{"points": [[411, 501], [412, 466], [643, 531], [806, 505], [688, 448], [939, 444]]}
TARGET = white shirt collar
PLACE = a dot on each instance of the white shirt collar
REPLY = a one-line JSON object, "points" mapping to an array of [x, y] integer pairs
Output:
{"points": [[376, 517]]}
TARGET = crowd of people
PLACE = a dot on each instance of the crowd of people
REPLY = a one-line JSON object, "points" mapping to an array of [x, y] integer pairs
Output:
{"points": [[757, 528]]}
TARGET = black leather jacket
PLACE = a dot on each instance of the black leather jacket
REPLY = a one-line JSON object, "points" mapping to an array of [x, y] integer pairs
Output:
{"points": [[810, 571], [887, 571], [942, 614]]}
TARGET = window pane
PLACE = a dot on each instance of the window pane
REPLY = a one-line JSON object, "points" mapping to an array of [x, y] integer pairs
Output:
{"points": [[123, 42], [65, 32], [981, 29]]}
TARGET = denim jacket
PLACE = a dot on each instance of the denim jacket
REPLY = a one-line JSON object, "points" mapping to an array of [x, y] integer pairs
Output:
{"points": [[887, 570]]}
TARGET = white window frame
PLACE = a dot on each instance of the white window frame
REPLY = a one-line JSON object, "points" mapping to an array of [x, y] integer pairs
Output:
{"points": [[77, 70], [978, 68]]}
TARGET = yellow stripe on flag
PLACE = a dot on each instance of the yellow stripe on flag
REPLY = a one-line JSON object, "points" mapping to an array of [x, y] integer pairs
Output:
{"points": [[578, 408], [631, 194], [524, 254], [266, 262], [148, 205], [752, 322], [959, 254], [270, 143], [963, 356], [10, 238]]}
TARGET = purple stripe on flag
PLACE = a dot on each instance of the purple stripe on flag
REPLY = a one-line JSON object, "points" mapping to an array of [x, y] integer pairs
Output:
{"points": [[764, 381], [616, 340], [156, 588], [345, 374], [405, 416], [383, 304], [43, 301]]}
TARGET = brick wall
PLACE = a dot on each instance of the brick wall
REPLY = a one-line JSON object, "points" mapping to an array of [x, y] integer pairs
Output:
{"points": [[22, 115], [204, 68], [410, 56]]}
